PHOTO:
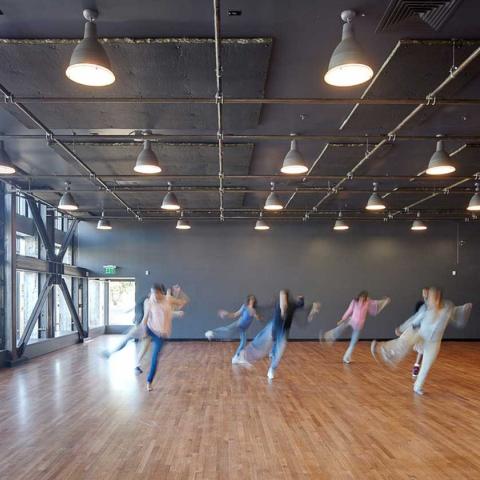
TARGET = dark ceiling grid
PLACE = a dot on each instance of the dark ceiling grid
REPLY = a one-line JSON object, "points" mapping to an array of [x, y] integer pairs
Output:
{"points": [[431, 95]]}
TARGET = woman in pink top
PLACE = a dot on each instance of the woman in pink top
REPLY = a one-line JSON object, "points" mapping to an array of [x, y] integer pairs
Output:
{"points": [[355, 317]]}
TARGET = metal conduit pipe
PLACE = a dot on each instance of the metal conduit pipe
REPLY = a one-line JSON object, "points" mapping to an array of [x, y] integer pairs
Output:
{"points": [[52, 139], [219, 100], [393, 132], [182, 139], [248, 101]]}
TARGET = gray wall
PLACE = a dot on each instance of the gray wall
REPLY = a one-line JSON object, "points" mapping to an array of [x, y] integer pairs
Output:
{"points": [[219, 264]]}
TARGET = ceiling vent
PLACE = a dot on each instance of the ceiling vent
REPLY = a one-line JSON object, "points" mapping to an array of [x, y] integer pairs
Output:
{"points": [[435, 13]]}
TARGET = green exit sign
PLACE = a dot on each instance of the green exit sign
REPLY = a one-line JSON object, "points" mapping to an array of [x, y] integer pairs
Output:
{"points": [[110, 269]]}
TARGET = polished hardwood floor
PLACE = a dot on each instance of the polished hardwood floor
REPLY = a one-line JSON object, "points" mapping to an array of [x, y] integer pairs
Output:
{"points": [[74, 415]]}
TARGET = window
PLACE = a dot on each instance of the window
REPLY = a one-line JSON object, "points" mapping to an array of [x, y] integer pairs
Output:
{"points": [[27, 245], [68, 254], [96, 303], [63, 320], [21, 207], [27, 294]]}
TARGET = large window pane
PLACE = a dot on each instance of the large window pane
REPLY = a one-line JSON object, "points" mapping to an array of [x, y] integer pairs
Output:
{"points": [[27, 294], [27, 245], [121, 302], [63, 320], [96, 303]]}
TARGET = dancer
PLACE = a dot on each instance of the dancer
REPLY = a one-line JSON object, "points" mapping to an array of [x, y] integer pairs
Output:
{"points": [[274, 336], [427, 326], [355, 317], [177, 293], [137, 332], [419, 346], [158, 322], [245, 315]]}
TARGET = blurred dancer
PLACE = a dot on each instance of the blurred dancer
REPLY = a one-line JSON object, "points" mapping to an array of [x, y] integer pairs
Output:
{"points": [[157, 319], [427, 326], [245, 315], [274, 336], [419, 346], [136, 332], [355, 317]]}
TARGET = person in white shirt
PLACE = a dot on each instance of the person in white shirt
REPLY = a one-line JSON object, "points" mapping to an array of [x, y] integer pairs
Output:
{"points": [[157, 320], [426, 327]]}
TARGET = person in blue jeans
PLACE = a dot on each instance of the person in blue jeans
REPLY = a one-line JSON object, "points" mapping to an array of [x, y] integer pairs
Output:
{"points": [[157, 320], [273, 337], [244, 317]]}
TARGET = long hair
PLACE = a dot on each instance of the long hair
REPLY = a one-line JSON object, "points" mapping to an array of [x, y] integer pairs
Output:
{"points": [[252, 298], [363, 294], [436, 294]]}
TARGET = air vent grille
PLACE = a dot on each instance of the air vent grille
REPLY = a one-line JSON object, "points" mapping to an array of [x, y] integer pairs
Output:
{"points": [[433, 12]]}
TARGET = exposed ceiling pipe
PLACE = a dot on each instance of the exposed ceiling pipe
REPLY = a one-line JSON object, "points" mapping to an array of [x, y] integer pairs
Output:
{"points": [[219, 101], [107, 140], [393, 133], [248, 101], [53, 140]]}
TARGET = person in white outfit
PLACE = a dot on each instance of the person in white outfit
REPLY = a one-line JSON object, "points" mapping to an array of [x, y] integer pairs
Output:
{"points": [[426, 327]]}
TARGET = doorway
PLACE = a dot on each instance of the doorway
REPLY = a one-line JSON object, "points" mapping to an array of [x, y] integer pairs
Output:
{"points": [[121, 302]]}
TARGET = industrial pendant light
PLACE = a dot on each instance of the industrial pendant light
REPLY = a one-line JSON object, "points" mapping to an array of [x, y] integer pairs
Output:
{"points": [[340, 224], [261, 224], [375, 202], [147, 161], [348, 65], [273, 202], [440, 163], [417, 224], [67, 201], [293, 162], [170, 201], [183, 224], [89, 63], [103, 224], [6, 165], [474, 204]]}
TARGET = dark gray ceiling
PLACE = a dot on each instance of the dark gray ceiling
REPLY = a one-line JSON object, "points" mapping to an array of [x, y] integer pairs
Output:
{"points": [[274, 49]]}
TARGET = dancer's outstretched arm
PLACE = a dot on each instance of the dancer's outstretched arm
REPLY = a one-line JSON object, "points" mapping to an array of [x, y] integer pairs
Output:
{"points": [[227, 314], [376, 306], [460, 315], [414, 321], [348, 313]]}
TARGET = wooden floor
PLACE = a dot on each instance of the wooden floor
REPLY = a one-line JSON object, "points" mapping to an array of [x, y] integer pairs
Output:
{"points": [[74, 415]]}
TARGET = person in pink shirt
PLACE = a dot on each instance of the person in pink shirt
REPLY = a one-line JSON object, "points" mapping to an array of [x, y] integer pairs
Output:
{"points": [[355, 317]]}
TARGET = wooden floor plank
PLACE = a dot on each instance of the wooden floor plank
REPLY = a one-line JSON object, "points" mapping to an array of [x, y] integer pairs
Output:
{"points": [[73, 415]]}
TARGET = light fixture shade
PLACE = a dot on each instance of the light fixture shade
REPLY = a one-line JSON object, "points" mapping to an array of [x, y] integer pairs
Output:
{"points": [[147, 161], [261, 225], [183, 224], [375, 202], [294, 162], [440, 163], [103, 225], [170, 202], [474, 204], [89, 63], [273, 202], [67, 202], [418, 225], [348, 65], [6, 165], [340, 225]]}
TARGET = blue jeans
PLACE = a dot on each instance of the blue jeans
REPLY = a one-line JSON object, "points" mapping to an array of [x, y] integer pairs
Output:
{"points": [[243, 342], [157, 344], [351, 347], [279, 344]]}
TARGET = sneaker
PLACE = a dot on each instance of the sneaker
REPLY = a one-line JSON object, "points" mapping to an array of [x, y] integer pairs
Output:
{"points": [[138, 370], [235, 360], [209, 334], [241, 360], [270, 374], [415, 370], [373, 346], [347, 361], [149, 387], [418, 390]]}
